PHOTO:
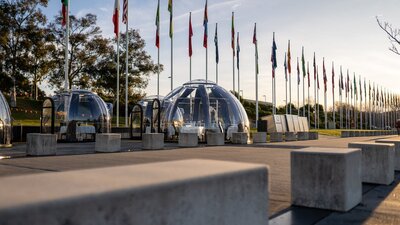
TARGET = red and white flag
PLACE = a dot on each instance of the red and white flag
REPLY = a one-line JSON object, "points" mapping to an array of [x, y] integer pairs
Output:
{"points": [[115, 17], [125, 12]]}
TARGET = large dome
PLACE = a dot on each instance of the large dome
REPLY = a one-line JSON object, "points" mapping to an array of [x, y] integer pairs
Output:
{"points": [[5, 123], [202, 106]]}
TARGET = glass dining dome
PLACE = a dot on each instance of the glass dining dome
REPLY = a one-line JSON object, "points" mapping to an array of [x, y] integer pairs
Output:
{"points": [[79, 115], [202, 106], [5, 123]]}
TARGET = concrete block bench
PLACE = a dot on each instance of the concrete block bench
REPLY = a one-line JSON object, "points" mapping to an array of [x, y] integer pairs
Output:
{"points": [[313, 135], [290, 136], [326, 178], [377, 162], [396, 143], [41, 144], [216, 139], [153, 141], [260, 137], [195, 192], [276, 137], [108, 142], [303, 136], [240, 138], [186, 140], [345, 134]]}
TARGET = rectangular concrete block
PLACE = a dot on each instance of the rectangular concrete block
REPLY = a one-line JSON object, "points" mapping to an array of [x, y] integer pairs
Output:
{"points": [[194, 192], [276, 137], [377, 162], [260, 137], [153, 141], [312, 135], [41, 144], [303, 136], [215, 139], [290, 136], [345, 134], [108, 142], [396, 143], [188, 140], [326, 178], [240, 138]]}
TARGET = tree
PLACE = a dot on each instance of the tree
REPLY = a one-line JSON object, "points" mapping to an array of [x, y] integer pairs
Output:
{"points": [[140, 66], [19, 20], [86, 47], [393, 34]]}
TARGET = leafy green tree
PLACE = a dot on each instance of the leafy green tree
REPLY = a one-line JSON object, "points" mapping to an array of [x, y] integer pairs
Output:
{"points": [[140, 67], [19, 20], [86, 48]]}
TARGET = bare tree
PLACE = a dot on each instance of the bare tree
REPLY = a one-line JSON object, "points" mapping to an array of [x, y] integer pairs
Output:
{"points": [[393, 34]]}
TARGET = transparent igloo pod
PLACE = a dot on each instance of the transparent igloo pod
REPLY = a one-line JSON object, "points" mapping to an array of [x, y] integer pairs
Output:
{"points": [[5, 123], [202, 106], [78, 116]]}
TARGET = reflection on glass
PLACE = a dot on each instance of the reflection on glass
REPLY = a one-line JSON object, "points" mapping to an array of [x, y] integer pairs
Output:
{"points": [[80, 115], [200, 107], [5, 123]]}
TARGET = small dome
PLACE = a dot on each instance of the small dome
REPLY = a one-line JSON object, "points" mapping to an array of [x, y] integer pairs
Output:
{"points": [[200, 106], [80, 114], [5, 122]]}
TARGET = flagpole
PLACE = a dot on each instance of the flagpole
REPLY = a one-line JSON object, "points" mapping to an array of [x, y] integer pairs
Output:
{"points": [[172, 45], [286, 86], [66, 84], [290, 79], [333, 96], [233, 52], [298, 88], [256, 70], [126, 70], [308, 95], [238, 67], [216, 51], [315, 95]]}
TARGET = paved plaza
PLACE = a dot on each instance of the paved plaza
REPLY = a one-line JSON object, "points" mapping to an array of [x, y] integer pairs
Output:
{"points": [[380, 205]]}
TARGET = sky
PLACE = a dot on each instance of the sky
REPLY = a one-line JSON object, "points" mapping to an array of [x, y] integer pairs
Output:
{"points": [[342, 31]]}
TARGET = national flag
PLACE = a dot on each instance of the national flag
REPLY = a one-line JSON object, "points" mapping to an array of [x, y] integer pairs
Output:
{"points": [[205, 24], [360, 85], [190, 35], [298, 72], [333, 78], [324, 74], [237, 51], [115, 17], [289, 59], [315, 68], [285, 66], [64, 12], [216, 44], [348, 81], [171, 26], [256, 46], [273, 56], [233, 33], [355, 86], [365, 88], [125, 12], [158, 25], [341, 79], [317, 78], [369, 88], [308, 75], [303, 62]]}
